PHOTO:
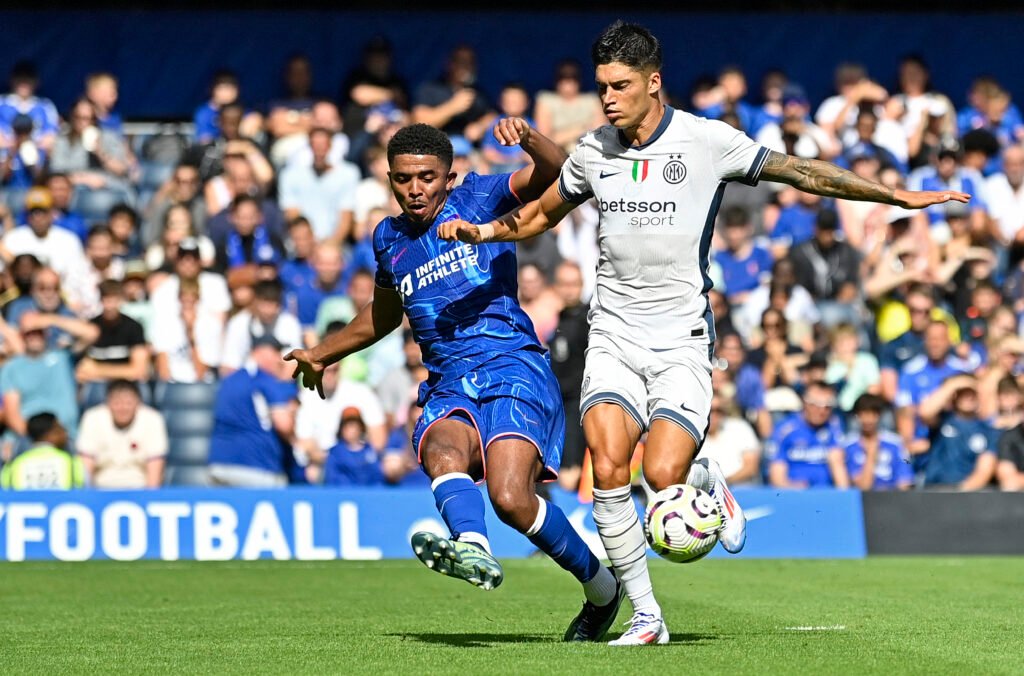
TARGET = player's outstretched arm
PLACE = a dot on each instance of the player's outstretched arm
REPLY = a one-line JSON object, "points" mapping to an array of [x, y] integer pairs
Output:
{"points": [[531, 181], [828, 180], [380, 317], [527, 221]]}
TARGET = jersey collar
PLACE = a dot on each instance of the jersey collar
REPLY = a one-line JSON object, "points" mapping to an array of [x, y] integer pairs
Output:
{"points": [[666, 119]]}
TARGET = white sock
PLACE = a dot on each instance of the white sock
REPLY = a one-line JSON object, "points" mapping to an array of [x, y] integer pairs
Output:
{"points": [[618, 524], [476, 539], [600, 589]]}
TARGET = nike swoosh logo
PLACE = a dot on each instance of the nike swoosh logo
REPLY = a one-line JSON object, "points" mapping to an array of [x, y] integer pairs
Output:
{"points": [[394, 259], [687, 408], [605, 174]]}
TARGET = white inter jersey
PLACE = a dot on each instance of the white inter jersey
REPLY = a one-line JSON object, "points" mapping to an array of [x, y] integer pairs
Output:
{"points": [[657, 202]]}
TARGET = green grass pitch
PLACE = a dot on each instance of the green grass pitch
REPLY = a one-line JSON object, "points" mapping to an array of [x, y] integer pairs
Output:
{"points": [[880, 615]]}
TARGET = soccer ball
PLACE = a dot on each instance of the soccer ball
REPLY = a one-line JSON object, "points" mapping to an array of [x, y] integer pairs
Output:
{"points": [[682, 523]]}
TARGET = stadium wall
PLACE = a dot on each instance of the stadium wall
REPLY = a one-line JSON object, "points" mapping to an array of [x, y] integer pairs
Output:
{"points": [[165, 59]]}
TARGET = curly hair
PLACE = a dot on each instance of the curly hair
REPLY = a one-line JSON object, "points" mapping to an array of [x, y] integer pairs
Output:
{"points": [[421, 139], [627, 43]]}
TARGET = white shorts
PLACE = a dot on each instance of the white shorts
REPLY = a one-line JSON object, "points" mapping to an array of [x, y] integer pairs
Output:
{"points": [[673, 384]]}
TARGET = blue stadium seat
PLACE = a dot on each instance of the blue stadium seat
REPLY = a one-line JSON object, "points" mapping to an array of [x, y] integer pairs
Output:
{"points": [[154, 174], [15, 199], [189, 450], [179, 396], [187, 475], [95, 205], [189, 423]]}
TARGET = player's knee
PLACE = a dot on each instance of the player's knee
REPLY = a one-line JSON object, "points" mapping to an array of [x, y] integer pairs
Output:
{"points": [[665, 472], [608, 472], [515, 504], [441, 458]]}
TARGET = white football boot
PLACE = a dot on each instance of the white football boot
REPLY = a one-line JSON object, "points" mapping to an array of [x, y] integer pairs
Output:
{"points": [[644, 629], [734, 529]]}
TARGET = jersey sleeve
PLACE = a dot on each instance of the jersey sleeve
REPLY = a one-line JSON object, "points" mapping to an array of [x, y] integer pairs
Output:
{"points": [[278, 392], [734, 156], [493, 194], [383, 276], [573, 184]]}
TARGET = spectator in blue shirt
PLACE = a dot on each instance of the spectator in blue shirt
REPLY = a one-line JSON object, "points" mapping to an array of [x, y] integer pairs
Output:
{"points": [[62, 191], [920, 302], [21, 161], [328, 281], [101, 90], [732, 359], [513, 102], [875, 458], [805, 449], [297, 270], [744, 264], [963, 453], [727, 98], [399, 462], [223, 90], [795, 224], [947, 174], [23, 101], [920, 377], [353, 460], [865, 147], [254, 421]]}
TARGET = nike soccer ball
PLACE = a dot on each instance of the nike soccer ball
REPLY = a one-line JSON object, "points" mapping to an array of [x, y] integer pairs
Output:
{"points": [[682, 523]]}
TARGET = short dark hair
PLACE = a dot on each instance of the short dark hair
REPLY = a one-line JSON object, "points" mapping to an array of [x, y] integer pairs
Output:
{"points": [[98, 231], [224, 76], [239, 200], [123, 209], [627, 43], [40, 425], [268, 289], [110, 287], [869, 402], [122, 385], [921, 289], [421, 139], [735, 215], [299, 221]]}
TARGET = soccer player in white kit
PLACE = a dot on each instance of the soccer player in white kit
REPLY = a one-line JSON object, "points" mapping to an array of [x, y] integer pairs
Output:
{"points": [[658, 176]]}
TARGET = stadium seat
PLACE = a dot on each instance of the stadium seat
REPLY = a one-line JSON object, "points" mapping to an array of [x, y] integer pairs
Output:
{"points": [[185, 423], [186, 475], [154, 174], [188, 450], [95, 205], [14, 198], [185, 396]]}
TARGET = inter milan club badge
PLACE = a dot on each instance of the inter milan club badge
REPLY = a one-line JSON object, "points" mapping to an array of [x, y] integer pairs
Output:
{"points": [[675, 170]]}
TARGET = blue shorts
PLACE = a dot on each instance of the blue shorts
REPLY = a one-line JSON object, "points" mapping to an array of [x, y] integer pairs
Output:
{"points": [[512, 395]]}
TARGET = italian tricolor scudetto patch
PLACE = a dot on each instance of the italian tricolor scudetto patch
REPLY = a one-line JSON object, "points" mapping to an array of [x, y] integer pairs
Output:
{"points": [[640, 170]]}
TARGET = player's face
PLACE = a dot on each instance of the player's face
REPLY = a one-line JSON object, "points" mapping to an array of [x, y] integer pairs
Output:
{"points": [[627, 95], [421, 184]]}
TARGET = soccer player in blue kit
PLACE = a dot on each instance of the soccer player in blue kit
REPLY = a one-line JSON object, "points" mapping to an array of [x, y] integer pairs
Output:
{"points": [[491, 405]]}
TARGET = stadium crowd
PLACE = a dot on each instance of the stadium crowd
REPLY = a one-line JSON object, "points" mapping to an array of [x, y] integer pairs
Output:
{"points": [[151, 282]]}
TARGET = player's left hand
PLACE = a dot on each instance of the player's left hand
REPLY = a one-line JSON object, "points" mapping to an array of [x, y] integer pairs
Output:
{"points": [[311, 370], [511, 131], [919, 200], [460, 231]]}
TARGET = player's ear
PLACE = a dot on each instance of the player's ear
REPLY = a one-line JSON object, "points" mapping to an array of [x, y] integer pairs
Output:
{"points": [[450, 182], [654, 83]]}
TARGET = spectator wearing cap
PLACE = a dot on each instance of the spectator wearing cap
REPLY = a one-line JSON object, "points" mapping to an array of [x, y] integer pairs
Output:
{"points": [[322, 192], [317, 421], [123, 442], [829, 268], [731, 442], [62, 191], [56, 247], [566, 113], [40, 380], [352, 461], [963, 447], [745, 264], [22, 100], [264, 317], [805, 449], [213, 289], [875, 458], [919, 378], [182, 189], [21, 160], [254, 421], [188, 344], [120, 351], [851, 370], [795, 134], [1005, 191], [46, 464], [250, 241]]}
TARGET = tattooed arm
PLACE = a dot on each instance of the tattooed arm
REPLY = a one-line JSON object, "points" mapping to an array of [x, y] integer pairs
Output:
{"points": [[828, 180]]}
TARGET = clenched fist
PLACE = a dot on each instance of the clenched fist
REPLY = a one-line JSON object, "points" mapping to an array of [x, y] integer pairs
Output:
{"points": [[511, 131], [460, 231]]}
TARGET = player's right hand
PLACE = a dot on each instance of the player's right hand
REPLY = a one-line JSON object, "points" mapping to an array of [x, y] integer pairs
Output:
{"points": [[511, 131], [459, 231], [311, 370]]}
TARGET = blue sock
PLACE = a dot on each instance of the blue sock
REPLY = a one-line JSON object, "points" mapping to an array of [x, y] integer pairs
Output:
{"points": [[554, 535], [462, 507]]}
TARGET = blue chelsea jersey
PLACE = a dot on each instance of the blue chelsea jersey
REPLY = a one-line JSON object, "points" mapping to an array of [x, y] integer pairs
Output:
{"points": [[461, 300]]}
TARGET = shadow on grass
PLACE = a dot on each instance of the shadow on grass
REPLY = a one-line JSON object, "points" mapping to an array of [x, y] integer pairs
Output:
{"points": [[482, 640]]}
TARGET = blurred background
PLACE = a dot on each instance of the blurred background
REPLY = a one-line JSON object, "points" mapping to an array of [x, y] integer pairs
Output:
{"points": [[186, 194]]}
